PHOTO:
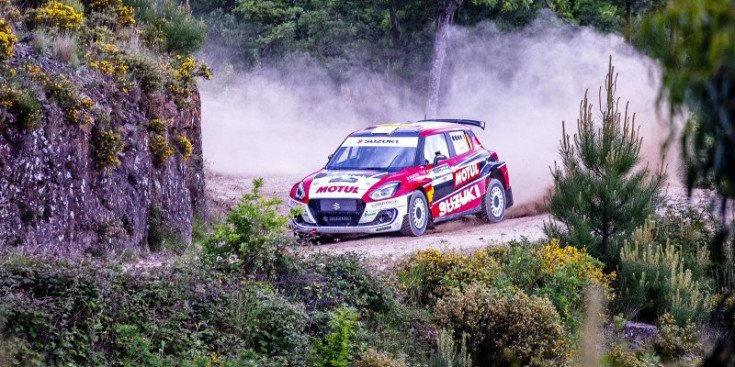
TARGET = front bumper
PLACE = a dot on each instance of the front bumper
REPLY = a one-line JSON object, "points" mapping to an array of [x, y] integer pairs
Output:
{"points": [[306, 222]]}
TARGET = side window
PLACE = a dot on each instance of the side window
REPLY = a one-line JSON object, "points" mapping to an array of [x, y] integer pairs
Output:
{"points": [[435, 143], [460, 141]]}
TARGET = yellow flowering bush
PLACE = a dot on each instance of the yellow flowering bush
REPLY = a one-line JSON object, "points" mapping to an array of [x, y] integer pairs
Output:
{"points": [[158, 126], [102, 5], [76, 108], [580, 265], [125, 15], [106, 147], [184, 146], [110, 61], [160, 148], [429, 274], [59, 15], [7, 41], [185, 70]]}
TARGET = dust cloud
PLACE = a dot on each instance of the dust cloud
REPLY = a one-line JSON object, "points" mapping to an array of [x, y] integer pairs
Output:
{"points": [[285, 119]]}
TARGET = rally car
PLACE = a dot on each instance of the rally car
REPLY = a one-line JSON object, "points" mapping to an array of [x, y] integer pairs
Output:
{"points": [[403, 177]]}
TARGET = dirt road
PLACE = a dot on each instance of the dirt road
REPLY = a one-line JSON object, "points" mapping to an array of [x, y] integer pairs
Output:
{"points": [[468, 233]]}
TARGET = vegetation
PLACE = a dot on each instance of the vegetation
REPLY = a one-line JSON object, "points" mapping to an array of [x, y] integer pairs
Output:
{"points": [[599, 196]]}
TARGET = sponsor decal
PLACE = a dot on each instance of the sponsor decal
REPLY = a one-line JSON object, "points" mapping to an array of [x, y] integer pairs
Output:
{"points": [[384, 204], [466, 174], [381, 142], [344, 189], [460, 199], [345, 179]]}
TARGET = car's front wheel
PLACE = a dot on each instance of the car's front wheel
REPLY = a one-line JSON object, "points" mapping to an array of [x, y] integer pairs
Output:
{"points": [[417, 219], [493, 205]]}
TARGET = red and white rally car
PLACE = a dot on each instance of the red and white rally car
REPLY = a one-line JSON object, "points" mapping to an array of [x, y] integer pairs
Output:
{"points": [[403, 177]]}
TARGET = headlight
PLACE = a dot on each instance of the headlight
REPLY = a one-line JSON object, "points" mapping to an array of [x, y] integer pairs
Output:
{"points": [[385, 191], [300, 192]]}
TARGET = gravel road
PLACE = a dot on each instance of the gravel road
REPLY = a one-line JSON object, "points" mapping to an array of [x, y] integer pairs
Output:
{"points": [[468, 233]]}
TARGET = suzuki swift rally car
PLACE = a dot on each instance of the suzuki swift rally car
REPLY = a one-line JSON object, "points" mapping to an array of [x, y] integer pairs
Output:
{"points": [[403, 177]]}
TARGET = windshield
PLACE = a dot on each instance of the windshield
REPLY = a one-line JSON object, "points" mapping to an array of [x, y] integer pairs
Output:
{"points": [[391, 154]]}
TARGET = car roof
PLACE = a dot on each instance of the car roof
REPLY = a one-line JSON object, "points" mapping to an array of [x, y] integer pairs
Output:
{"points": [[410, 128]]}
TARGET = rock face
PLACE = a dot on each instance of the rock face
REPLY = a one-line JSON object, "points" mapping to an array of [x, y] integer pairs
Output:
{"points": [[54, 200]]}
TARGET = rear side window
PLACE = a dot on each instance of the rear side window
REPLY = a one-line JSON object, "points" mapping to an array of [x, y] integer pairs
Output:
{"points": [[434, 144], [460, 142]]}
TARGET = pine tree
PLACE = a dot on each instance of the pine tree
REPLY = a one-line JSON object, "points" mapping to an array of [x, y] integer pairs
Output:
{"points": [[600, 192]]}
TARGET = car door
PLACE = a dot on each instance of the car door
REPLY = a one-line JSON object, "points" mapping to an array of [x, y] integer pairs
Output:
{"points": [[441, 173]]}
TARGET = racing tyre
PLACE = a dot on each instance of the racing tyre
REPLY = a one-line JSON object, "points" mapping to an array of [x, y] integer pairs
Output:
{"points": [[415, 222], [493, 206]]}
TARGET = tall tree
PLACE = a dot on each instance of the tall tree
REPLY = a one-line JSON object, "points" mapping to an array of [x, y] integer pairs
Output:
{"points": [[599, 191]]}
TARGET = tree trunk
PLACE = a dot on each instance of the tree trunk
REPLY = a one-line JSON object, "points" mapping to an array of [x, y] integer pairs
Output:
{"points": [[443, 21], [395, 28]]}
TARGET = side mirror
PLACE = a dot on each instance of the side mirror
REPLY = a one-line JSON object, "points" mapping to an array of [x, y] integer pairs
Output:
{"points": [[329, 157], [438, 158]]}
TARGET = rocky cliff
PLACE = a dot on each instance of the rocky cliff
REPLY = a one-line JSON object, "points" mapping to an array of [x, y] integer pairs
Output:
{"points": [[123, 167]]}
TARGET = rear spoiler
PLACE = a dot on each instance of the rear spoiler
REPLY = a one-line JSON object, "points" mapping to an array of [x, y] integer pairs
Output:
{"points": [[480, 124]]}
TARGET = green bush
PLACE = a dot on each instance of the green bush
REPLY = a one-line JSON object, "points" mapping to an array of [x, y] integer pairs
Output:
{"points": [[59, 313], [107, 145], [172, 28], [253, 237], [348, 281], [336, 351], [561, 274], [22, 104], [504, 327], [659, 276]]}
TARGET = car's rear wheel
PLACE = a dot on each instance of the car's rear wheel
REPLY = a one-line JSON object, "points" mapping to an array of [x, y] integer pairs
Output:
{"points": [[493, 205], [415, 222]]}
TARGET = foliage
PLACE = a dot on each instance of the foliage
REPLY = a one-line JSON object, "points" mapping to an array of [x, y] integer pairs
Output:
{"points": [[598, 195], [694, 42], [76, 107], [172, 26], [657, 276], [58, 15], [7, 41], [91, 314], [504, 326], [106, 148], [22, 104], [183, 84], [674, 341], [447, 354], [336, 351], [348, 281], [110, 61], [160, 148], [373, 358], [184, 146], [430, 274], [253, 237]]}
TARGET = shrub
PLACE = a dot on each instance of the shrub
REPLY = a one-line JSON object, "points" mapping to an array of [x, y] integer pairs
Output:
{"points": [[336, 351], [504, 326], [184, 146], [429, 274], [58, 15], [373, 358], [348, 281], [7, 41], [184, 35], [253, 237], [657, 276], [674, 341], [76, 108], [22, 104], [106, 147], [598, 195], [160, 148], [563, 274]]}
